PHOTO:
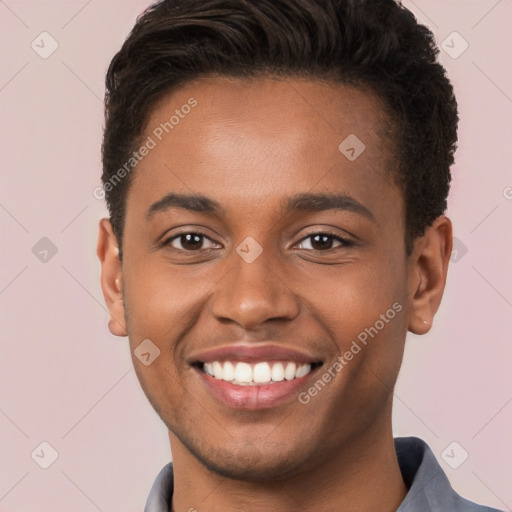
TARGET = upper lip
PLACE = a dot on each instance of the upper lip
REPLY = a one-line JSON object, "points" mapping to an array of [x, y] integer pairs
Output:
{"points": [[252, 353]]}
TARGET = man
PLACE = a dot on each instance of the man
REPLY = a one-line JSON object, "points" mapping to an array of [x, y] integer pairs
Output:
{"points": [[276, 174]]}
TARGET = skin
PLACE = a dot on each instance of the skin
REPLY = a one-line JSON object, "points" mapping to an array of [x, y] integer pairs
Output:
{"points": [[250, 145]]}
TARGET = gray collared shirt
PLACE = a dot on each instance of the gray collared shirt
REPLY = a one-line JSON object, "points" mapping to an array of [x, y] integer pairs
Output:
{"points": [[429, 488]]}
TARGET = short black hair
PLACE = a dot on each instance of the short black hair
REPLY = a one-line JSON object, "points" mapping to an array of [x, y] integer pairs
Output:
{"points": [[372, 44]]}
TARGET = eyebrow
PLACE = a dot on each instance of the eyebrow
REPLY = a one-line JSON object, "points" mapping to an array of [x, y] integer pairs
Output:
{"points": [[321, 202], [193, 202], [297, 203]]}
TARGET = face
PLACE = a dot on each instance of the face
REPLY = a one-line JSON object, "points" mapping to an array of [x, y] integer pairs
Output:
{"points": [[267, 265]]}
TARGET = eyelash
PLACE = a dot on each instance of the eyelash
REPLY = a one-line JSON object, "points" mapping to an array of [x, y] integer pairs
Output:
{"points": [[344, 241]]}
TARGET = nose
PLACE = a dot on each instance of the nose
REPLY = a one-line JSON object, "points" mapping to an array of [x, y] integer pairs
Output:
{"points": [[251, 294]]}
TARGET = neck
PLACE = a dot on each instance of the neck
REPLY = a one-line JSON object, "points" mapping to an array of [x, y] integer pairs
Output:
{"points": [[363, 475]]}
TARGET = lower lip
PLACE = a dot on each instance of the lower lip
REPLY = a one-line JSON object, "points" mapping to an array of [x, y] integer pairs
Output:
{"points": [[254, 397]]}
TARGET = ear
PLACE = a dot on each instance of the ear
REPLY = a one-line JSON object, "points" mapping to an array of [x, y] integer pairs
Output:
{"points": [[428, 267], [111, 277]]}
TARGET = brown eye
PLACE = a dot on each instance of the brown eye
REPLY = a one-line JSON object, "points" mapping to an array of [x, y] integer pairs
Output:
{"points": [[323, 242], [189, 241]]}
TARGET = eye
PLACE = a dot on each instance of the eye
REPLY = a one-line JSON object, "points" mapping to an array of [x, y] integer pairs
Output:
{"points": [[323, 242], [190, 241]]}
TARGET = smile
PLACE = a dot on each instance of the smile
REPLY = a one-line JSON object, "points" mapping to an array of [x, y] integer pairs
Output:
{"points": [[253, 374]]}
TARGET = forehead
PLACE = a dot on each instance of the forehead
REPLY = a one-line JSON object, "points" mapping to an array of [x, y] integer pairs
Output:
{"points": [[236, 140], [281, 112]]}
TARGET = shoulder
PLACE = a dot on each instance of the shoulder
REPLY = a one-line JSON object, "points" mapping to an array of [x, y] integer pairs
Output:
{"points": [[429, 487]]}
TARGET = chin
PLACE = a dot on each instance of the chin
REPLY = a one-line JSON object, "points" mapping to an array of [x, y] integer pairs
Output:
{"points": [[249, 463]]}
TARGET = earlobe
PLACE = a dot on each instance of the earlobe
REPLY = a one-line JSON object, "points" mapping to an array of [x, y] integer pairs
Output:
{"points": [[111, 277], [428, 267]]}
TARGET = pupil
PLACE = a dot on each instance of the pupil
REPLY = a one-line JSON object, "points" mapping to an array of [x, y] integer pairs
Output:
{"points": [[191, 241], [322, 242]]}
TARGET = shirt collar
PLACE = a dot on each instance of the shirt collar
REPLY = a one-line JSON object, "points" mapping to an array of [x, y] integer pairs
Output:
{"points": [[429, 488], [160, 496]]}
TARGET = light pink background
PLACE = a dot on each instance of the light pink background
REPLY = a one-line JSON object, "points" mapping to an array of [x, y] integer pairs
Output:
{"points": [[65, 380]]}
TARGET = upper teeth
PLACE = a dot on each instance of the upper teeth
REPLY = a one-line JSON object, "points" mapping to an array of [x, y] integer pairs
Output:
{"points": [[258, 373]]}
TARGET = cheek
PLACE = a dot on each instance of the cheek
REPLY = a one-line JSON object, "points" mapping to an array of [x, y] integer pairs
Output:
{"points": [[363, 309], [350, 298], [161, 301]]}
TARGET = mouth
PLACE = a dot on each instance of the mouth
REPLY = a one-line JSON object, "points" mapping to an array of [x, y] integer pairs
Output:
{"points": [[240, 373], [254, 377]]}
